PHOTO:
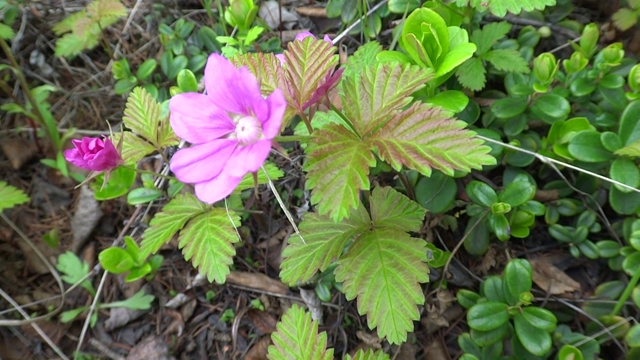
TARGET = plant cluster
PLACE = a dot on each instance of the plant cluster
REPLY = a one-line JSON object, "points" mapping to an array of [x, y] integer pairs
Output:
{"points": [[390, 137]]}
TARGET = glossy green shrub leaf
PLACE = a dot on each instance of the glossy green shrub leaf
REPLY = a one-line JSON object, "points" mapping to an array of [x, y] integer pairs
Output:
{"points": [[630, 123], [631, 263], [146, 69], [635, 295], [625, 171], [143, 195], [187, 81], [467, 298], [533, 339], [403, 6], [608, 248], [493, 289], [633, 336], [570, 352], [551, 107], [500, 226], [119, 183], [586, 146], [487, 338], [116, 260], [436, 193], [624, 203], [487, 316], [509, 107], [516, 280], [588, 249], [481, 193], [542, 319], [518, 192], [611, 141], [477, 239], [450, 100]]}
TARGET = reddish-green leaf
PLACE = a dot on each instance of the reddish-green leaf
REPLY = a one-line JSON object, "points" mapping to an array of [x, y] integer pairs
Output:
{"points": [[324, 241], [307, 64], [379, 92], [338, 167], [389, 208], [422, 138]]}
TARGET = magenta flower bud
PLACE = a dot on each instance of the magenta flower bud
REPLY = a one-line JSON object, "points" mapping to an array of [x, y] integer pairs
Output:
{"points": [[94, 154]]}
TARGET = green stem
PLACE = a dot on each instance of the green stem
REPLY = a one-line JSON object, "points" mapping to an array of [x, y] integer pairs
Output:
{"points": [[23, 84], [627, 292], [307, 122], [291, 138]]}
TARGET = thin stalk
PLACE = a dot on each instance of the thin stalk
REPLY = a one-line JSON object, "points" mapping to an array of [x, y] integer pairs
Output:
{"points": [[627, 292]]}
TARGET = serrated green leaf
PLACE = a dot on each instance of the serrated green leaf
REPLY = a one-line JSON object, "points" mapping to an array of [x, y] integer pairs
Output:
{"points": [[489, 35], [134, 148], [68, 23], [507, 60], [11, 196], [389, 208], [167, 222], [6, 32], [501, 7], [325, 241], [71, 45], [208, 240], [472, 74], [422, 138], [379, 92], [297, 338], [307, 64], [363, 58], [142, 115], [624, 18], [368, 355], [338, 168], [103, 9], [383, 269]]}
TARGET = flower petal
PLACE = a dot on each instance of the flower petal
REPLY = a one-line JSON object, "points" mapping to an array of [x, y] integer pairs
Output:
{"points": [[195, 118], [75, 157], [233, 89], [202, 162], [248, 158], [273, 121], [217, 188]]}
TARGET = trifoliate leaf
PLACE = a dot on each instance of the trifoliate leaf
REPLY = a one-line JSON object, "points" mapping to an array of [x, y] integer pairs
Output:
{"points": [[338, 168], [325, 241], [363, 58], [500, 7], [383, 269], [422, 138], [71, 45], [208, 240], [368, 355], [507, 60], [489, 36], [471, 74], [142, 115], [6, 32], [104, 9], [379, 92], [11, 196], [624, 18], [307, 63], [389, 208], [167, 222], [297, 338], [73, 270], [68, 23]]}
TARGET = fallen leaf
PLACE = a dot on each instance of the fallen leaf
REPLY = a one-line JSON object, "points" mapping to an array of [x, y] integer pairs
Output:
{"points": [[309, 11], [259, 350], [257, 281], [262, 320], [86, 217], [407, 352], [437, 350], [274, 15], [18, 151], [551, 279], [150, 348], [121, 316]]}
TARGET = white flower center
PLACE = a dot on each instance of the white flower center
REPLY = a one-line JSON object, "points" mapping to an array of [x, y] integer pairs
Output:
{"points": [[248, 130]]}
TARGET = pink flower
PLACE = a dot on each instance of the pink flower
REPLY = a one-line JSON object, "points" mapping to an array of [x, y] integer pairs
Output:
{"points": [[306, 34], [93, 154], [231, 128]]}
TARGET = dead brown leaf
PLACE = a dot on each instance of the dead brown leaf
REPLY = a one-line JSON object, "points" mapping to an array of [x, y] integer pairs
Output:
{"points": [[551, 279], [259, 350], [309, 11], [437, 350], [86, 217], [150, 348], [18, 151], [257, 281], [264, 321]]}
